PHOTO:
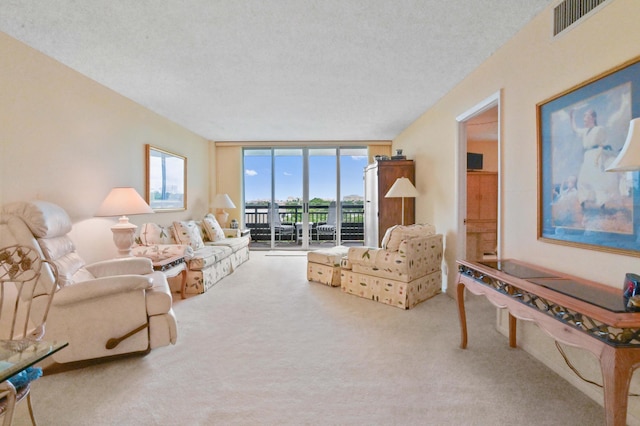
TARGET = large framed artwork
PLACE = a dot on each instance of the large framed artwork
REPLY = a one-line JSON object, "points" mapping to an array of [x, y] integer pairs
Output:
{"points": [[166, 180], [580, 132]]}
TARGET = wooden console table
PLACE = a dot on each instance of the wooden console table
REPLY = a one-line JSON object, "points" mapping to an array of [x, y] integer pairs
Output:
{"points": [[572, 310]]}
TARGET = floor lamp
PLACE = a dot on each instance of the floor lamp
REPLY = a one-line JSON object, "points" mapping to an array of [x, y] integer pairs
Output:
{"points": [[402, 188]]}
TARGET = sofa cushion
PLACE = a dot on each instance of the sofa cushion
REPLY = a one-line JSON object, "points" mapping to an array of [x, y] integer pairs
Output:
{"points": [[152, 233], [188, 232], [394, 235], [234, 244], [160, 252], [212, 228], [207, 256]]}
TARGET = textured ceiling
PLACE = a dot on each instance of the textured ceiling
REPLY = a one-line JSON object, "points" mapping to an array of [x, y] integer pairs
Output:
{"points": [[274, 70]]}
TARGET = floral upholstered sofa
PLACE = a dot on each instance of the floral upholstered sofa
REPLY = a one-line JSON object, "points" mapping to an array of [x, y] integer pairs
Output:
{"points": [[210, 252], [404, 272]]}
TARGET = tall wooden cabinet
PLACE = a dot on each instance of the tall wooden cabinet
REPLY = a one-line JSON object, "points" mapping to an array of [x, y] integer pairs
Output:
{"points": [[482, 214], [381, 213]]}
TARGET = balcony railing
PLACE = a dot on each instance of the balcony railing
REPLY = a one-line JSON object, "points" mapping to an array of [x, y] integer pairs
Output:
{"points": [[256, 217]]}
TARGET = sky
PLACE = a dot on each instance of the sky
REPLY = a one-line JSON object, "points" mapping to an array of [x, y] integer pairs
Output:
{"points": [[288, 173]]}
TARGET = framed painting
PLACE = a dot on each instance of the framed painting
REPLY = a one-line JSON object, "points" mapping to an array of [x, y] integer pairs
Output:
{"points": [[166, 180], [580, 132]]}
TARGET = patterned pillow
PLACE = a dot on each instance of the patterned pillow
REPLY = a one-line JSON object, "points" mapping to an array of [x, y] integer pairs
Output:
{"points": [[188, 233], [396, 234], [152, 233], [212, 228]]}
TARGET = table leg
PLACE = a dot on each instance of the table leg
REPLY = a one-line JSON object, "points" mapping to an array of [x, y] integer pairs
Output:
{"points": [[462, 315], [183, 283], [512, 331], [617, 366]]}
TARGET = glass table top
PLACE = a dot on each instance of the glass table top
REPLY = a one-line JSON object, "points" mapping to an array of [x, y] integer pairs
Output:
{"points": [[17, 355], [610, 300], [517, 270]]}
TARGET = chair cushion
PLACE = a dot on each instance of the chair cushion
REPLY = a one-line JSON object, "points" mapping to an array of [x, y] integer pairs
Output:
{"points": [[44, 219], [61, 251], [394, 235], [212, 228], [330, 256], [188, 232]]}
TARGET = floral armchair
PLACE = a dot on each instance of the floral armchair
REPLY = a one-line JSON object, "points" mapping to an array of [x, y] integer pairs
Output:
{"points": [[405, 271]]}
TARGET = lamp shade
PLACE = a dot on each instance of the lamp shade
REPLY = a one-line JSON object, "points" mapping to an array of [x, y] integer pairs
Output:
{"points": [[222, 201], [123, 201], [629, 158], [402, 188]]}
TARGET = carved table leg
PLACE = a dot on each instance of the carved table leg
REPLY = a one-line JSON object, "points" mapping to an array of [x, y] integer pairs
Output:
{"points": [[462, 315], [617, 366]]}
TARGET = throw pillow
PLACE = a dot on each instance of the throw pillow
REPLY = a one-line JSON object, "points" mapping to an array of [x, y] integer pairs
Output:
{"points": [[212, 228], [152, 233], [387, 236], [188, 233]]}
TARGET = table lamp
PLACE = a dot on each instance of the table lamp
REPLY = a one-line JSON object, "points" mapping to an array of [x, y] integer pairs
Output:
{"points": [[122, 202], [221, 202], [629, 158], [402, 188]]}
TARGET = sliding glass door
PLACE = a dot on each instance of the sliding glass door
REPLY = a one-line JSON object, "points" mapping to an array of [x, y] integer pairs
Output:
{"points": [[291, 196]]}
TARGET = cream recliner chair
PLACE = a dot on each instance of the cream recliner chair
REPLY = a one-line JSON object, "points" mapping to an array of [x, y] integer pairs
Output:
{"points": [[108, 308]]}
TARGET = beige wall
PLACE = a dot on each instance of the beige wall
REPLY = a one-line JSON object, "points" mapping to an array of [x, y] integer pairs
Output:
{"points": [[229, 178], [66, 139], [529, 69]]}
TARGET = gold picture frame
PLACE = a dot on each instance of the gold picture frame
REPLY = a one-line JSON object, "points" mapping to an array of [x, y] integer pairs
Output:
{"points": [[166, 180], [580, 132]]}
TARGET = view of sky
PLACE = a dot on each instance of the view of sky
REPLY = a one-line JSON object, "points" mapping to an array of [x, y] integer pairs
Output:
{"points": [[288, 173]]}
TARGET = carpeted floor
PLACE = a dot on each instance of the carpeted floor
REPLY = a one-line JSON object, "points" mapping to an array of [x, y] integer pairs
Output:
{"points": [[266, 347]]}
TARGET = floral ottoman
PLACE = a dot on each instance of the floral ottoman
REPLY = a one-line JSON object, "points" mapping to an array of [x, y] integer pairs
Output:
{"points": [[323, 265]]}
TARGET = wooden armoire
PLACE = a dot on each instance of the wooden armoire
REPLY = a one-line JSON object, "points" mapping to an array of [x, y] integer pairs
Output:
{"points": [[381, 213], [482, 214]]}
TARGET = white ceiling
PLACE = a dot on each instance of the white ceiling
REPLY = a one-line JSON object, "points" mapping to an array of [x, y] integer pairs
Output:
{"points": [[277, 70]]}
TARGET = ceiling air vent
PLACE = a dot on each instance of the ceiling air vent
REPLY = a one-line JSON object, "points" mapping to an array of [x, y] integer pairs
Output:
{"points": [[569, 12]]}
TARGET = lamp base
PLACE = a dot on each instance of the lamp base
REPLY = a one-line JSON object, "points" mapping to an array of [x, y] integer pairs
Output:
{"points": [[222, 217], [123, 236]]}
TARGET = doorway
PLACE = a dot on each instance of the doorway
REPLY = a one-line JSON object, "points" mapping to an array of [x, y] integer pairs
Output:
{"points": [[479, 181]]}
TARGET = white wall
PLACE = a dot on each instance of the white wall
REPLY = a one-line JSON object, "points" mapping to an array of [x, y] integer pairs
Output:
{"points": [[66, 139]]}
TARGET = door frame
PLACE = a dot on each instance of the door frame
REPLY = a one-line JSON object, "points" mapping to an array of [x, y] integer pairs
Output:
{"points": [[493, 101]]}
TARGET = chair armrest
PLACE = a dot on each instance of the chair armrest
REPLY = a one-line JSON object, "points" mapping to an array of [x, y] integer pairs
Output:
{"points": [[101, 287], [121, 266]]}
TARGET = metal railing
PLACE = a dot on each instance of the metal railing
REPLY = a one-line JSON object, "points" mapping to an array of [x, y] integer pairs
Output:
{"points": [[256, 217]]}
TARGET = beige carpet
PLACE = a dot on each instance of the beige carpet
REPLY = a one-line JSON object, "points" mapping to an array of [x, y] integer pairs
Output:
{"points": [[265, 347]]}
